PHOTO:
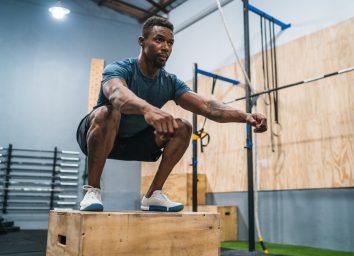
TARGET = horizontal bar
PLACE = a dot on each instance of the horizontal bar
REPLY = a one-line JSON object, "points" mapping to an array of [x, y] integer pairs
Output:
{"points": [[68, 171], [40, 163], [65, 203], [33, 179], [29, 208], [45, 202], [27, 169], [69, 158], [16, 194], [43, 157], [43, 151], [39, 176], [31, 200], [60, 183], [268, 17], [346, 70], [33, 189], [62, 209], [68, 165], [69, 152], [28, 163], [222, 78], [42, 170], [67, 196]]}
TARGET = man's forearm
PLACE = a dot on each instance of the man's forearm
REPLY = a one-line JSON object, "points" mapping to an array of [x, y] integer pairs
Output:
{"points": [[222, 113]]}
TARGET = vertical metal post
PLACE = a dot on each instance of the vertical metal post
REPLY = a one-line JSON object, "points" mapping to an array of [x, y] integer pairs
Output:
{"points": [[7, 179], [251, 240], [195, 145], [53, 178]]}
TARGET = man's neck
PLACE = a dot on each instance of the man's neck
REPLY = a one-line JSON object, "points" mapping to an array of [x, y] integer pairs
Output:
{"points": [[146, 67]]}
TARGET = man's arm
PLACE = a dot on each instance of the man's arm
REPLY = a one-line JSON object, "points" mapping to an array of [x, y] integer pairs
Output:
{"points": [[126, 102], [220, 112]]}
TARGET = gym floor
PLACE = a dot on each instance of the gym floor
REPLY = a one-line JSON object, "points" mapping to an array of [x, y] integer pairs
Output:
{"points": [[33, 243]]}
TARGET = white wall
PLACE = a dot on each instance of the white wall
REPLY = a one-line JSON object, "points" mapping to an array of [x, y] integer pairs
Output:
{"points": [[44, 78]]}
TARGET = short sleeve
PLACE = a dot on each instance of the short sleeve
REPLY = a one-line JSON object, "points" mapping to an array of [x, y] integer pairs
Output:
{"points": [[180, 89], [120, 69]]}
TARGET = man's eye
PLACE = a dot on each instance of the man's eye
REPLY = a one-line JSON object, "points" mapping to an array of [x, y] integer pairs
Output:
{"points": [[159, 40]]}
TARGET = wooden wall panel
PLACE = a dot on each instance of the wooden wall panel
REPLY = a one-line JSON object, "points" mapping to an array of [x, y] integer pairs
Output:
{"points": [[97, 66], [315, 146]]}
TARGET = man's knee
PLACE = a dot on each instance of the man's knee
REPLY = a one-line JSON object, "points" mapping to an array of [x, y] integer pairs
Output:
{"points": [[184, 127], [105, 117]]}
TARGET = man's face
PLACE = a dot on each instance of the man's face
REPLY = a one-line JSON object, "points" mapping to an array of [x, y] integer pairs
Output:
{"points": [[157, 47]]}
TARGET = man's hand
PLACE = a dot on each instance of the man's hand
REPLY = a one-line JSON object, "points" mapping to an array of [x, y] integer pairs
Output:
{"points": [[257, 120], [163, 122]]}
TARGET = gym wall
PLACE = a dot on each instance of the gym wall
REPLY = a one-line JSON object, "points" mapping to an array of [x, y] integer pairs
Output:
{"points": [[313, 146], [44, 81], [313, 150]]}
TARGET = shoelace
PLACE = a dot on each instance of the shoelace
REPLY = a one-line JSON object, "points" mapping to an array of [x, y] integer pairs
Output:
{"points": [[92, 192], [163, 195]]}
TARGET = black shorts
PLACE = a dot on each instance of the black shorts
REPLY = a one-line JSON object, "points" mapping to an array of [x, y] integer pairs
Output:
{"points": [[140, 147]]}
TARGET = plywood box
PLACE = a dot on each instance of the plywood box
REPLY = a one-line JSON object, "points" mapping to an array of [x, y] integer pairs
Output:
{"points": [[178, 187], [132, 233], [228, 219]]}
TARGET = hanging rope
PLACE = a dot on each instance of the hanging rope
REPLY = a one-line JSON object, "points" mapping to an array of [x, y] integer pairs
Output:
{"points": [[276, 106]]}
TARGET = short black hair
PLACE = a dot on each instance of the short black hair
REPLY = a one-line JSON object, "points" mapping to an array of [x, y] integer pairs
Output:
{"points": [[155, 21]]}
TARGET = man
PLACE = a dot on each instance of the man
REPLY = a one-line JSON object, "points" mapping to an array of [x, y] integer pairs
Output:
{"points": [[128, 124]]}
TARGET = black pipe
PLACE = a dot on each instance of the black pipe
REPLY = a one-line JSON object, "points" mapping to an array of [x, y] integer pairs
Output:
{"points": [[251, 238], [65, 152], [276, 102], [7, 179], [195, 145], [263, 57], [70, 159], [293, 84], [53, 178]]}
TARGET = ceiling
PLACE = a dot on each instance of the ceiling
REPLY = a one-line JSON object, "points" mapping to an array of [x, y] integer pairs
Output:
{"points": [[141, 9]]}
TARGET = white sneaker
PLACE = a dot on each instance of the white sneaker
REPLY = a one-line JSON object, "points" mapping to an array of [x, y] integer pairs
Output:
{"points": [[92, 200], [160, 202]]}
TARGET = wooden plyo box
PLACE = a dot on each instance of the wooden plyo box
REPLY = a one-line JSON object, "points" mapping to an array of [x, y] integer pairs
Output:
{"points": [[178, 187], [132, 233], [228, 219]]}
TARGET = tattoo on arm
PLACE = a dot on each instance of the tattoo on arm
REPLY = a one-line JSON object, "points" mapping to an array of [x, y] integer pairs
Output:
{"points": [[222, 113]]}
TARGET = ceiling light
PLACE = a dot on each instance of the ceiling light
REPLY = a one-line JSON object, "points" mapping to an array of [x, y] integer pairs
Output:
{"points": [[58, 11]]}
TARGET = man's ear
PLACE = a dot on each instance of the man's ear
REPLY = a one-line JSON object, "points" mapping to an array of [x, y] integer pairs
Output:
{"points": [[141, 40]]}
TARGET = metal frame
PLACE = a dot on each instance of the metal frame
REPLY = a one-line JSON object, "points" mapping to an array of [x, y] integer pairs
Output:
{"points": [[249, 143], [22, 182], [197, 71], [268, 17]]}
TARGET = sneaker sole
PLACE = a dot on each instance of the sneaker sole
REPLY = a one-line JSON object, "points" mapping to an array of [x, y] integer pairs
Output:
{"points": [[158, 208], [93, 207]]}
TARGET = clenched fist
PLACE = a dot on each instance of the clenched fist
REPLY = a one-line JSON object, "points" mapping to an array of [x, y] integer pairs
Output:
{"points": [[257, 120]]}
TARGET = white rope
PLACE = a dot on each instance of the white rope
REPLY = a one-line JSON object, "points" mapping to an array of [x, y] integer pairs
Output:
{"points": [[231, 42], [256, 170], [254, 89]]}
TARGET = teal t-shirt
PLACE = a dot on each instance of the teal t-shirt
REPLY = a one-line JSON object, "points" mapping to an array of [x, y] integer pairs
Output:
{"points": [[157, 91]]}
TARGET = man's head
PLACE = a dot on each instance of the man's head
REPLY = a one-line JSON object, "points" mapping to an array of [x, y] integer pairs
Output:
{"points": [[156, 40]]}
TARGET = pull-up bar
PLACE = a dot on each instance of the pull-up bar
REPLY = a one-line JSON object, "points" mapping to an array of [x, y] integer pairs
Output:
{"points": [[222, 78], [268, 17], [197, 71]]}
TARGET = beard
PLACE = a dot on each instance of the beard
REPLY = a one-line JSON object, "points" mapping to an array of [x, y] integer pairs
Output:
{"points": [[158, 64]]}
